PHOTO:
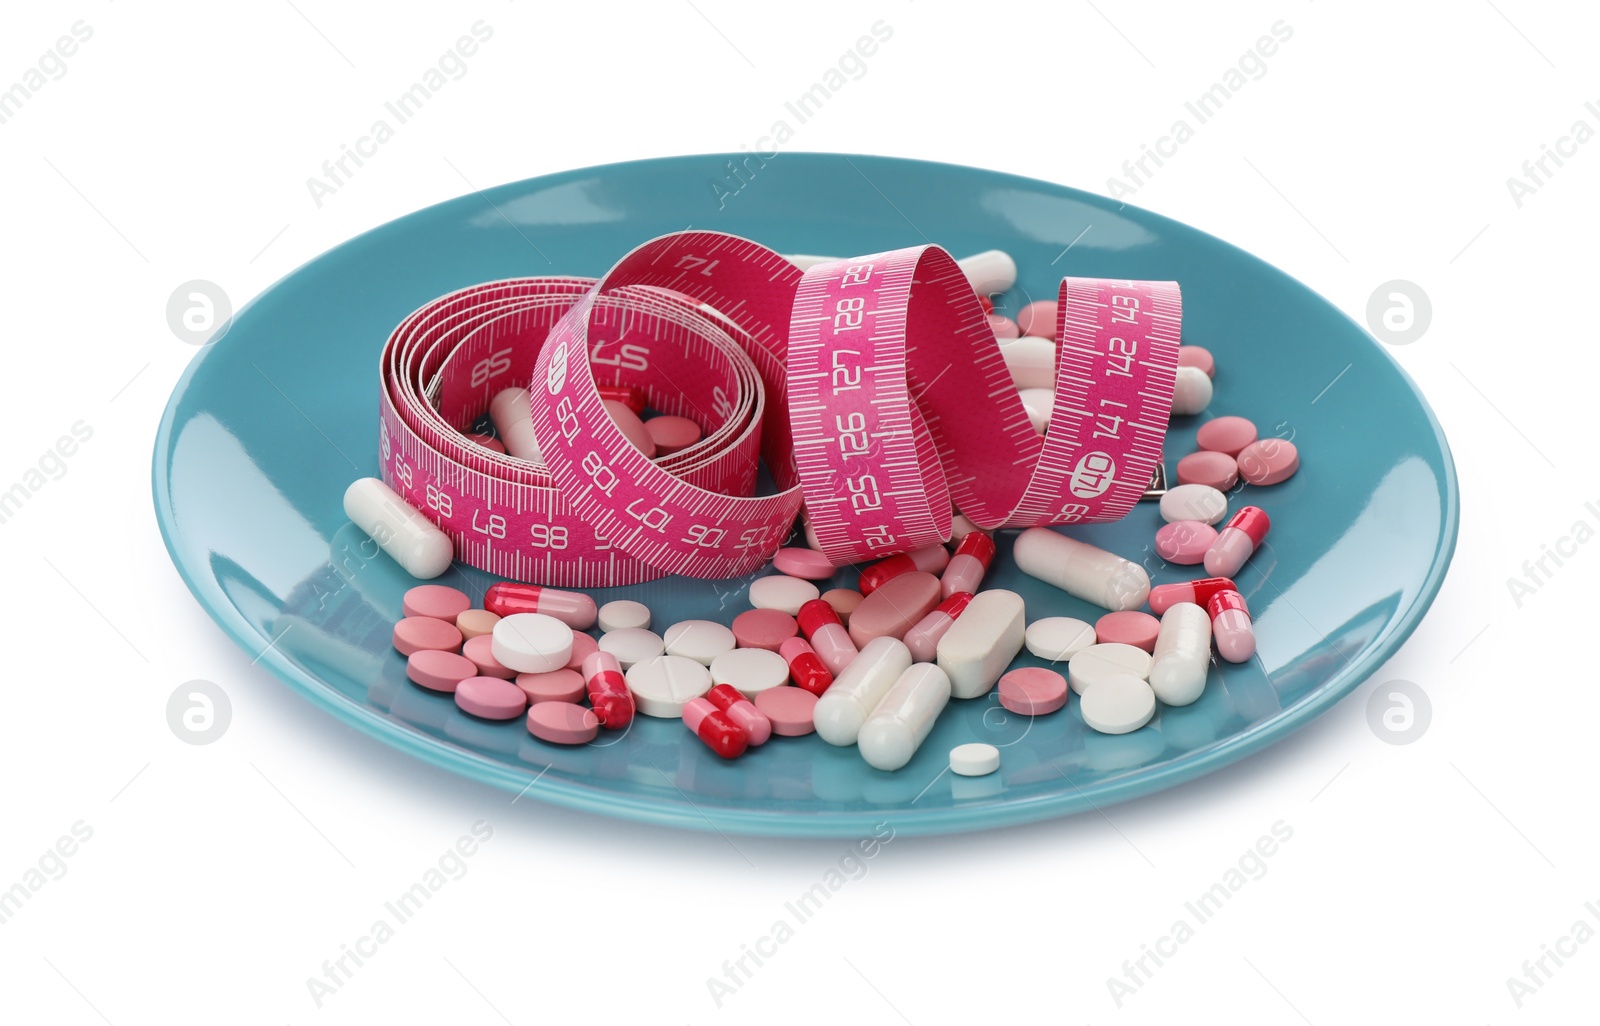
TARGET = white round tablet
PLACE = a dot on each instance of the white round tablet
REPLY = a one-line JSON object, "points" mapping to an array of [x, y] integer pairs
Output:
{"points": [[750, 670], [1099, 661], [1191, 391], [622, 613], [974, 759], [1194, 502], [632, 645], [663, 684], [781, 592], [1058, 638], [1117, 703], [700, 640], [531, 642]]}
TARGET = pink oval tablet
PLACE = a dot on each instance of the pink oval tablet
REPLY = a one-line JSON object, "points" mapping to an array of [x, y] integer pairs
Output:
{"points": [[491, 698], [789, 708], [1038, 319], [1215, 469], [583, 646], [894, 607], [844, 602], [437, 670], [556, 686], [672, 434], [1033, 691], [473, 622], [1269, 461], [1185, 542], [435, 600], [561, 723], [1004, 327], [480, 651], [1128, 627], [1197, 356], [807, 563], [418, 633], [1225, 434], [764, 628]]}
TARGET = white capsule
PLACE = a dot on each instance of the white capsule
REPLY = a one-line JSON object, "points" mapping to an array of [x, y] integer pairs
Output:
{"points": [[410, 538], [1194, 502], [1037, 403], [1183, 654], [903, 718], [858, 689], [1031, 361], [513, 422], [1081, 570], [979, 646], [989, 272], [1191, 392]]}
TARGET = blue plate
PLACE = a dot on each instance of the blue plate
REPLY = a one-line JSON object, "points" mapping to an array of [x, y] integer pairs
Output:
{"points": [[270, 423]]}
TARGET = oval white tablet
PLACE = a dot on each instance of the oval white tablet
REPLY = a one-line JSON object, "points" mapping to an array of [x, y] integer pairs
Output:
{"points": [[781, 592], [1058, 638], [1117, 704], [622, 613], [1031, 361], [1194, 502], [632, 645], [700, 640], [1100, 661], [979, 646], [662, 685], [1037, 403], [750, 670], [974, 759], [531, 643]]}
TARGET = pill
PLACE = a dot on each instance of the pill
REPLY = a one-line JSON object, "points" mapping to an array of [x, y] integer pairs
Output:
{"points": [[672, 434], [1037, 403], [1184, 542], [891, 610], [573, 608], [923, 637], [700, 640], [900, 722], [1128, 627], [715, 728], [632, 645], [790, 710], [974, 759], [1231, 626], [960, 527], [1032, 691], [415, 633], [583, 646], [473, 623], [967, 567], [632, 427], [628, 395], [1225, 434], [823, 628], [438, 670], [513, 423], [1198, 357], [408, 537], [662, 685], [802, 562], [1080, 569], [434, 600], [930, 559], [491, 698], [561, 723], [1238, 541], [1031, 361], [1194, 502], [1183, 654], [1038, 318], [487, 442], [1058, 638], [1199, 592], [561, 685], [845, 706], [764, 628], [481, 651], [532, 642], [1004, 327], [811, 534], [1268, 461], [608, 690], [620, 613], [1215, 469], [805, 667], [989, 272], [1099, 661], [1117, 704], [979, 646], [741, 711], [844, 602], [782, 592], [1191, 392]]}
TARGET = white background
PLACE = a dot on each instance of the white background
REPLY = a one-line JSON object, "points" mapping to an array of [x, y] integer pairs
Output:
{"points": [[219, 878]]}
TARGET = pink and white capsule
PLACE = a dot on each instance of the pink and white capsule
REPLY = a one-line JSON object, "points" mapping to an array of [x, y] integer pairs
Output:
{"points": [[1235, 634], [827, 635], [930, 559], [1237, 542], [923, 637], [742, 711], [969, 564]]}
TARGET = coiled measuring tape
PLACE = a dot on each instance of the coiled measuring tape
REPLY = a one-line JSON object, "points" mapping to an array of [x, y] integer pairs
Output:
{"points": [[873, 389]]}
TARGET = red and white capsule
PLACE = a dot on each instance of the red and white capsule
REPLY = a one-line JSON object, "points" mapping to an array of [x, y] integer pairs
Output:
{"points": [[742, 711], [1164, 596], [1231, 626], [573, 608], [1237, 541], [629, 396], [827, 635], [923, 637], [608, 690], [967, 567], [930, 559], [805, 666], [715, 728]]}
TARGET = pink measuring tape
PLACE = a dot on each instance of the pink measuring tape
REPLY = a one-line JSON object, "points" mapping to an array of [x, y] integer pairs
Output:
{"points": [[873, 388]]}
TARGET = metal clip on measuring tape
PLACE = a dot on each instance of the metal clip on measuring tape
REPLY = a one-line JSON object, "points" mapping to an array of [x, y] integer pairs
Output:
{"points": [[873, 388]]}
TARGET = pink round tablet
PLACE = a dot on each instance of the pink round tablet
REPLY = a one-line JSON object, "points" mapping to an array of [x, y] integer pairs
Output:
{"points": [[1128, 627], [417, 633], [439, 671], [435, 600], [789, 708], [561, 723], [844, 602], [556, 686], [583, 646], [1185, 542], [1215, 469], [1038, 319], [1004, 327], [1197, 356], [764, 628], [491, 698], [672, 434], [1225, 434], [481, 651], [805, 563], [1033, 691], [1269, 461], [473, 622]]}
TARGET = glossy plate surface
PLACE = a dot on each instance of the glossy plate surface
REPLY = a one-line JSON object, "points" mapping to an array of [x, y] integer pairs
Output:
{"points": [[270, 424]]}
